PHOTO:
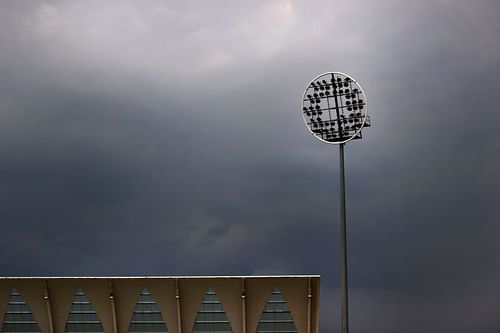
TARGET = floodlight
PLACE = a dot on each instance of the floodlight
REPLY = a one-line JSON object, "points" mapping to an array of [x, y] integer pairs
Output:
{"points": [[336, 115], [339, 95]]}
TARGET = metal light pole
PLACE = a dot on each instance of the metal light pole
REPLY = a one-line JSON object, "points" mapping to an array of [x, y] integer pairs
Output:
{"points": [[335, 110]]}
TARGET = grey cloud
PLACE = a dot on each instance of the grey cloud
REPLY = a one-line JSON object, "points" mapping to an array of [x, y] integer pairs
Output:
{"points": [[166, 138]]}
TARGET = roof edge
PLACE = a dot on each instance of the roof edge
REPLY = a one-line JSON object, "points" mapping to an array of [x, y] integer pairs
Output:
{"points": [[158, 277]]}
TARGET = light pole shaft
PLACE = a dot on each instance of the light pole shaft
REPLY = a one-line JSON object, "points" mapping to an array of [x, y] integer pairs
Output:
{"points": [[343, 248]]}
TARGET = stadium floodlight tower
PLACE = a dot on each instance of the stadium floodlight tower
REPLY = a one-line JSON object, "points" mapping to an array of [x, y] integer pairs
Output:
{"points": [[335, 111]]}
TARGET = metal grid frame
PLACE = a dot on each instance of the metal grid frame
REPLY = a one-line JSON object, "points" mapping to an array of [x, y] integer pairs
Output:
{"points": [[331, 127]]}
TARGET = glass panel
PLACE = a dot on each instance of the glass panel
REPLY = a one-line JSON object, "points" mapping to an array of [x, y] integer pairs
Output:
{"points": [[18, 316], [211, 317], [146, 317], [82, 316], [276, 316]]}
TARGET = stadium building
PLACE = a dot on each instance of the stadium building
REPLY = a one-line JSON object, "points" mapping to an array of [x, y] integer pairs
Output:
{"points": [[215, 304]]}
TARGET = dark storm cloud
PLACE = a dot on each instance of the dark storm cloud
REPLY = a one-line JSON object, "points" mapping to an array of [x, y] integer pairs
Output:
{"points": [[165, 138]]}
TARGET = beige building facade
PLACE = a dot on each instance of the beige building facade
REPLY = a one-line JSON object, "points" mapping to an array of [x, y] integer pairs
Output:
{"points": [[238, 304]]}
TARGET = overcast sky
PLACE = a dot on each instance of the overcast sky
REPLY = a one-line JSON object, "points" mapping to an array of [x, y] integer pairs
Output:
{"points": [[165, 138]]}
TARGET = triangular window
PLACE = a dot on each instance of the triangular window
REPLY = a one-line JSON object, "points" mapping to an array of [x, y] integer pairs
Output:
{"points": [[276, 316], [211, 317], [82, 316], [146, 316], [18, 316]]}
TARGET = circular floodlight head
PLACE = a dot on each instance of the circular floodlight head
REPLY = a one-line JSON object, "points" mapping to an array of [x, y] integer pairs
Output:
{"points": [[334, 108]]}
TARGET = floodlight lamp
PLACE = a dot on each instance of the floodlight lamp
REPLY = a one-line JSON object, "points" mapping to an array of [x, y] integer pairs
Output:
{"points": [[327, 114]]}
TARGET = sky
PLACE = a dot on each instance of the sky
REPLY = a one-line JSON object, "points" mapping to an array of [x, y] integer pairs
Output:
{"points": [[166, 138]]}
